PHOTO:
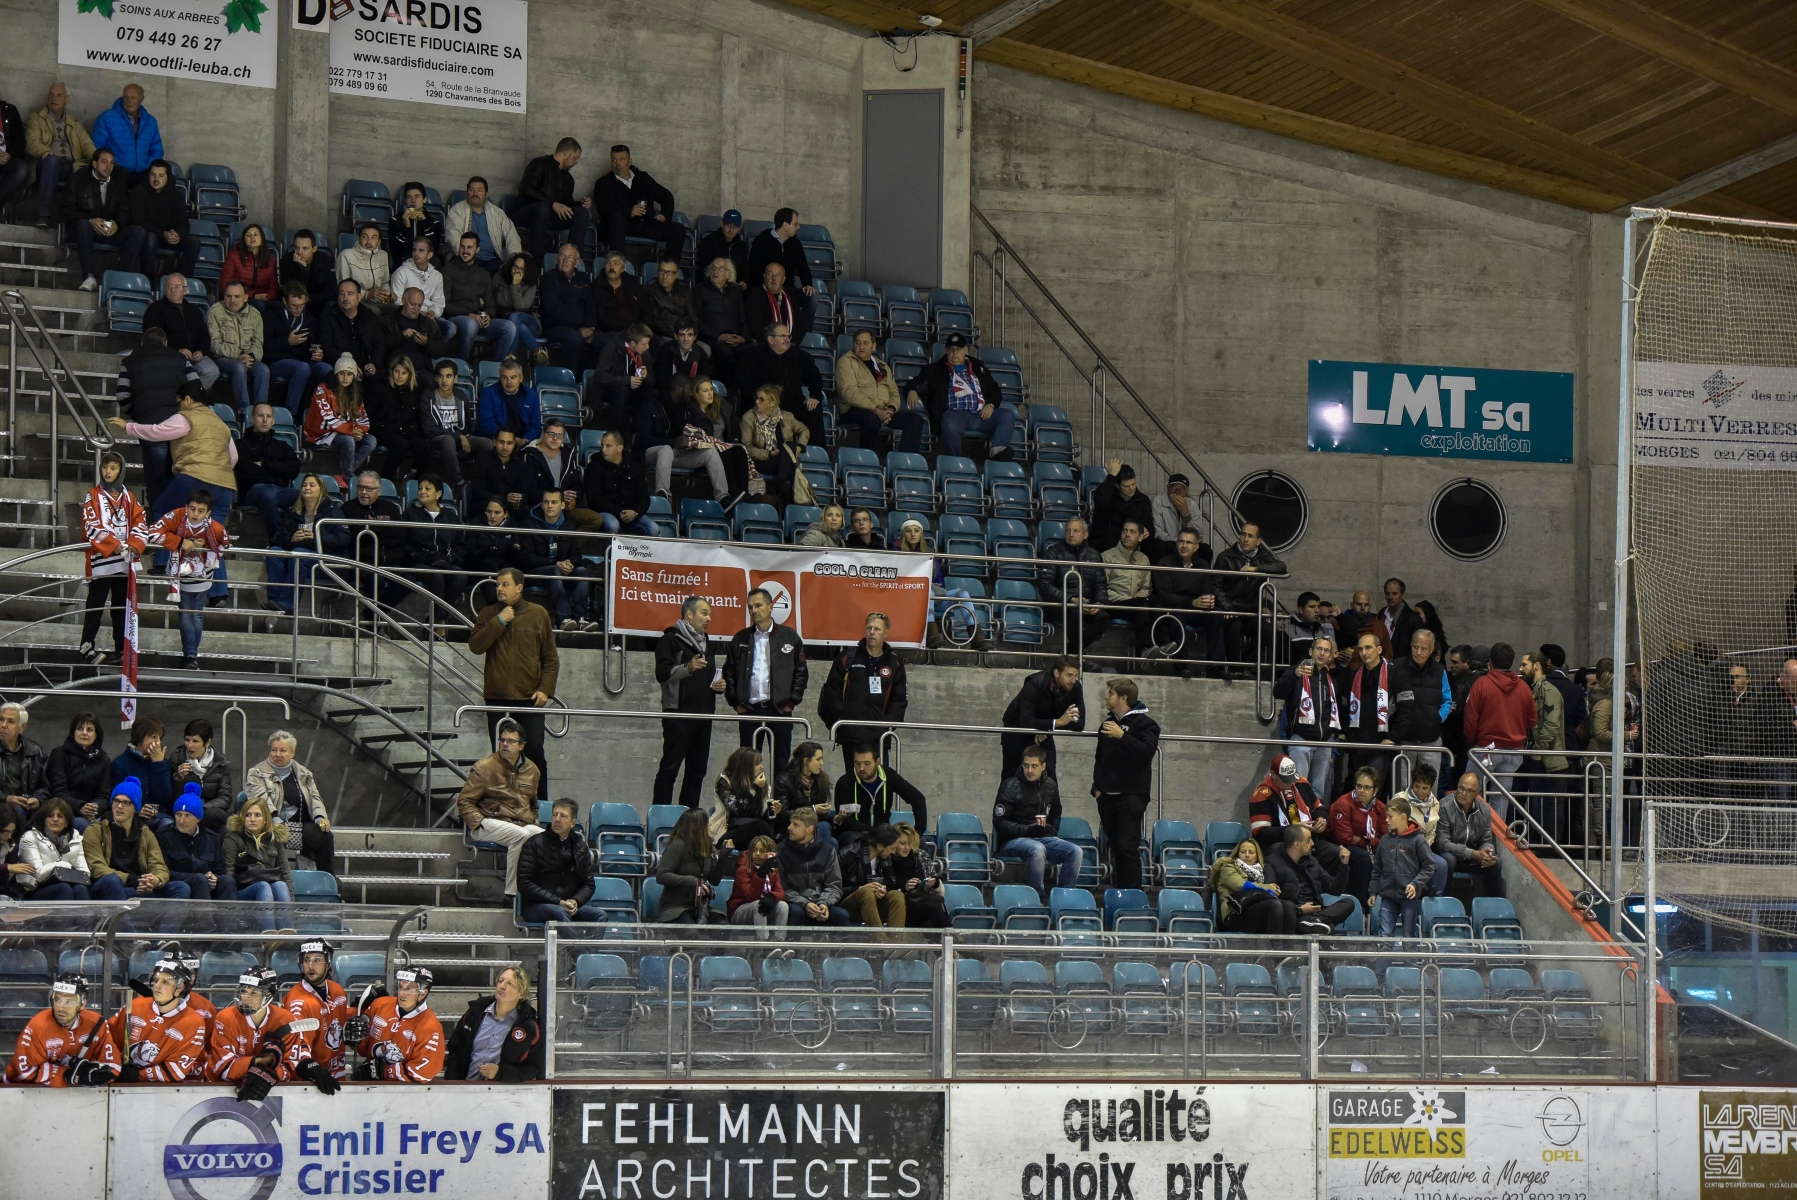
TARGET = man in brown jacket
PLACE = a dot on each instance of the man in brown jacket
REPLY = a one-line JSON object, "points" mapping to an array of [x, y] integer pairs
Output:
{"points": [[870, 398], [124, 859], [518, 638], [499, 801]]}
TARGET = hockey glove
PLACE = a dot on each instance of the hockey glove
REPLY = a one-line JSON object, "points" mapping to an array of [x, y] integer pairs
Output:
{"points": [[318, 1075], [85, 1072], [255, 1084]]}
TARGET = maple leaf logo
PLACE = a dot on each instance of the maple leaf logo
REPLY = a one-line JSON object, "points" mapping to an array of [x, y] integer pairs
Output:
{"points": [[239, 15], [103, 7]]}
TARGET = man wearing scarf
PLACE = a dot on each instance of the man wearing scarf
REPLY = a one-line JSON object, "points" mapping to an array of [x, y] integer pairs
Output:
{"points": [[1314, 719], [1282, 799], [690, 681], [1364, 688]]}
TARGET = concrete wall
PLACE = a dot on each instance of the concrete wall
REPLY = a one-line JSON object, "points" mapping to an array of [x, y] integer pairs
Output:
{"points": [[1213, 261], [729, 103]]}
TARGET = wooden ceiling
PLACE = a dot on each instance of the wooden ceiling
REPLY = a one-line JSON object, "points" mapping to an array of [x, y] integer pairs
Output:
{"points": [[1596, 104]]}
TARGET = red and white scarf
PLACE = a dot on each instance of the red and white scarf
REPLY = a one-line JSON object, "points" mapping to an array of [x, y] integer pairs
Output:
{"points": [[1307, 702], [1383, 700], [780, 307]]}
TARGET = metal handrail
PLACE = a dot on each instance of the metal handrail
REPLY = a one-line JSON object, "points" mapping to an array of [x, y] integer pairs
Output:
{"points": [[96, 437], [1105, 361]]}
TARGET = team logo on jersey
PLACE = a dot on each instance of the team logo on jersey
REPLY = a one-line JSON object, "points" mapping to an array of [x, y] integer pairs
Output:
{"points": [[144, 1053], [517, 1035], [196, 1150], [333, 1035]]}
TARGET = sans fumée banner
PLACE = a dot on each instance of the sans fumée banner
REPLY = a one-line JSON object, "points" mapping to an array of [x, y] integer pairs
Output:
{"points": [[467, 55], [742, 1142], [824, 595], [1732, 417], [1141, 1142], [202, 1144], [1440, 412], [229, 41]]}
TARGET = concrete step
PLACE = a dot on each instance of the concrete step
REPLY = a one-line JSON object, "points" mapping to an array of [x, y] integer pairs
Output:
{"points": [[28, 235]]}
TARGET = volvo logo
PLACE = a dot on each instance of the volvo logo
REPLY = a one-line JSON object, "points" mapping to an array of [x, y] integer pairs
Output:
{"points": [[195, 1153]]}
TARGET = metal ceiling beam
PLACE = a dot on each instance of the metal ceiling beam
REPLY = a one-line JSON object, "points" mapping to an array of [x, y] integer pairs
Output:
{"points": [[1683, 46], [1733, 171], [1428, 95], [1004, 18]]}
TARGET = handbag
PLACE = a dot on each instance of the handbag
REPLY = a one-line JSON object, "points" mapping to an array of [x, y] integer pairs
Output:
{"points": [[67, 873], [294, 841], [801, 486]]}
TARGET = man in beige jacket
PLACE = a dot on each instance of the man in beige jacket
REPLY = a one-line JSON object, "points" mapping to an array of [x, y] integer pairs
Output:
{"points": [[236, 330], [60, 145], [870, 398], [499, 801]]}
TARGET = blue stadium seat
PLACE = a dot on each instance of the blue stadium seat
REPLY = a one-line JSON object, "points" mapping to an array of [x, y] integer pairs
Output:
{"points": [[910, 992], [957, 534], [620, 845], [1253, 999], [1182, 911], [315, 887], [704, 520], [1142, 995], [24, 982], [962, 844], [793, 1002], [857, 307], [1222, 837], [1019, 907], [976, 996], [1005, 371], [1019, 622], [660, 516], [1074, 910], [906, 315], [820, 473], [960, 486], [848, 985], [799, 517], [967, 909], [1032, 998], [730, 1004], [1057, 491], [1201, 997], [1360, 1001], [610, 1000], [818, 347], [1571, 1012], [1049, 533], [758, 523], [1009, 538], [1126, 910], [611, 895], [1009, 490], [125, 295], [1444, 917], [1051, 434], [1079, 831], [912, 484], [1088, 993], [219, 970], [906, 357], [1494, 920], [950, 313], [1179, 854], [863, 479]]}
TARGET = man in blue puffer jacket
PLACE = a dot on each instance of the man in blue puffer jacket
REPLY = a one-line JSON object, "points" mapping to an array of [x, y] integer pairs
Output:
{"points": [[130, 131]]}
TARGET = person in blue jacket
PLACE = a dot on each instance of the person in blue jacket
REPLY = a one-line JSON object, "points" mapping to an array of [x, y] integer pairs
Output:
{"points": [[145, 761], [510, 404], [130, 131]]}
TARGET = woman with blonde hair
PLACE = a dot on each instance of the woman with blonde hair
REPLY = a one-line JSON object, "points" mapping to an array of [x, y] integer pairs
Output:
{"points": [[1248, 900], [826, 530], [256, 853], [500, 1037], [300, 536]]}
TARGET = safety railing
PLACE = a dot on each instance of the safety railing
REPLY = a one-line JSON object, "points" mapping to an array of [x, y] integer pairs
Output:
{"points": [[715, 1000], [21, 315], [233, 703], [763, 733], [1047, 349]]}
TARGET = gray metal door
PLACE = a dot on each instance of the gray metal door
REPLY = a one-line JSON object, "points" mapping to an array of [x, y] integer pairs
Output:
{"points": [[901, 188]]}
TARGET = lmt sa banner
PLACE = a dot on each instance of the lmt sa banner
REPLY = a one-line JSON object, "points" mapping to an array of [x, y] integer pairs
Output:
{"points": [[1440, 412]]}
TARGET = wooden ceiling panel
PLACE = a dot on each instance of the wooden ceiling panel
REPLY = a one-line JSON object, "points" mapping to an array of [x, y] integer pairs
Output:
{"points": [[1585, 102]]}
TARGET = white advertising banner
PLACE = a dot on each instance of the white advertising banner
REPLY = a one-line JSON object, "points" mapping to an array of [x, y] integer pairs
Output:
{"points": [[1486, 1143], [432, 51], [1179, 1141], [56, 1140], [1727, 1143], [229, 42], [1713, 415], [368, 1140]]}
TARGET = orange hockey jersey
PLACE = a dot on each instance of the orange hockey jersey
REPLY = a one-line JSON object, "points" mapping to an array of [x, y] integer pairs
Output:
{"points": [[113, 524], [45, 1048], [407, 1048], [330, 1011], [235, 1042], [167, 1047]]}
